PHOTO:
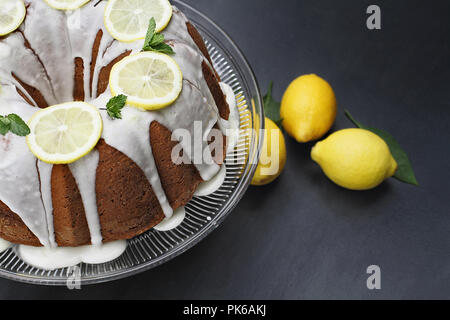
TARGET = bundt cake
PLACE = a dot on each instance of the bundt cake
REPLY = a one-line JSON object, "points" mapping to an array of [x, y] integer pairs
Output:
{"points": [[128, 184]]}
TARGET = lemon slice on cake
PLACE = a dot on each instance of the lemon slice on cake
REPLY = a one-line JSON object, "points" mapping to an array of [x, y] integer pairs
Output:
{"points": [[127, 20], [64, 133], [150, 80], [66, 4], [12, 14]]}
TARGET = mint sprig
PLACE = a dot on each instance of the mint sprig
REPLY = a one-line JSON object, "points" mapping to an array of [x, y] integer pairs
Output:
{"points": [[272, 107], [14, 124], [405, 172], [154, 41], [115, 105]]}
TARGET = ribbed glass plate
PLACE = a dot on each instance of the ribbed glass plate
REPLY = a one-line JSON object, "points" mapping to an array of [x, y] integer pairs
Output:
{"points": [[204, 214]]}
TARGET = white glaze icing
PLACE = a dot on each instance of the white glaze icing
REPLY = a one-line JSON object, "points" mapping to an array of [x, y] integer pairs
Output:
{"points": [[4, 245], [55, 258], [46, 31], [172, 222], [45, 176], [84, 172], [211, 186], [19, 177], [14, 55], [190, 114], [231, 126], [177, 29], [82, 36], [191, 62], [127, 136], [56, 39]]}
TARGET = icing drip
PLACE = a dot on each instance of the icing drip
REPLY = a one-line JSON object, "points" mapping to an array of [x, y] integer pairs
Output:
{"points": [[84, 172], [82, 27], [191, 62], [172, 222], [131, 136], [177, 30], [45, 176], [14, 56], [46, 31], [109, 48], [4, 245], [82, 36], [19, 177], [211, 186], [231, 126], [188, 113], [51, 259]]}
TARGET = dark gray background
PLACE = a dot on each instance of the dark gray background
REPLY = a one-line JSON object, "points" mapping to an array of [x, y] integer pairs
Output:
{"points": [[302, 236]]}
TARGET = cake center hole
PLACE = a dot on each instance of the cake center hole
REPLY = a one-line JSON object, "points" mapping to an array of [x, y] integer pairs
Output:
{"points": [[62, 128], [138, 11]]}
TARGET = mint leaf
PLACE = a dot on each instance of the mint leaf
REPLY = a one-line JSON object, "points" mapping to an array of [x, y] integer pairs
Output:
{"points": [[5, 124], [405, 172], [272, 107], [13, 123], [162, 48], [157, 39], [115, 105], [18, 126], [154, 41], [150, 32]]}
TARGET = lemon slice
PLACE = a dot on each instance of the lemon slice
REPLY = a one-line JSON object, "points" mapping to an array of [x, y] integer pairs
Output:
{"points": [[12, 14], [127, 20], [66, 4], [150, 80], [64, 133]]}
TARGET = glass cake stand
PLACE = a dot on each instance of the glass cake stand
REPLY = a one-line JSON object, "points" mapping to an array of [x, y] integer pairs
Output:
{"points": [[203, 214]]}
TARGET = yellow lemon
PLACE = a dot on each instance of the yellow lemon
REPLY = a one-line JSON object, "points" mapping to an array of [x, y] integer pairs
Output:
{"points": [[273, 155], [308, 108], [355, 159]]}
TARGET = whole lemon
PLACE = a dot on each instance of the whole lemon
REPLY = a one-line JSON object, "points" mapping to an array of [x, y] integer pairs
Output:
{"points": [[355, 159], [273, 155], [308, 108]]}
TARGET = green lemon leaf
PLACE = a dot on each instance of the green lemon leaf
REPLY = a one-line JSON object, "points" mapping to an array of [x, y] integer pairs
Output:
{"points": [[18, 126], [405, 172], [272, 107]]}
